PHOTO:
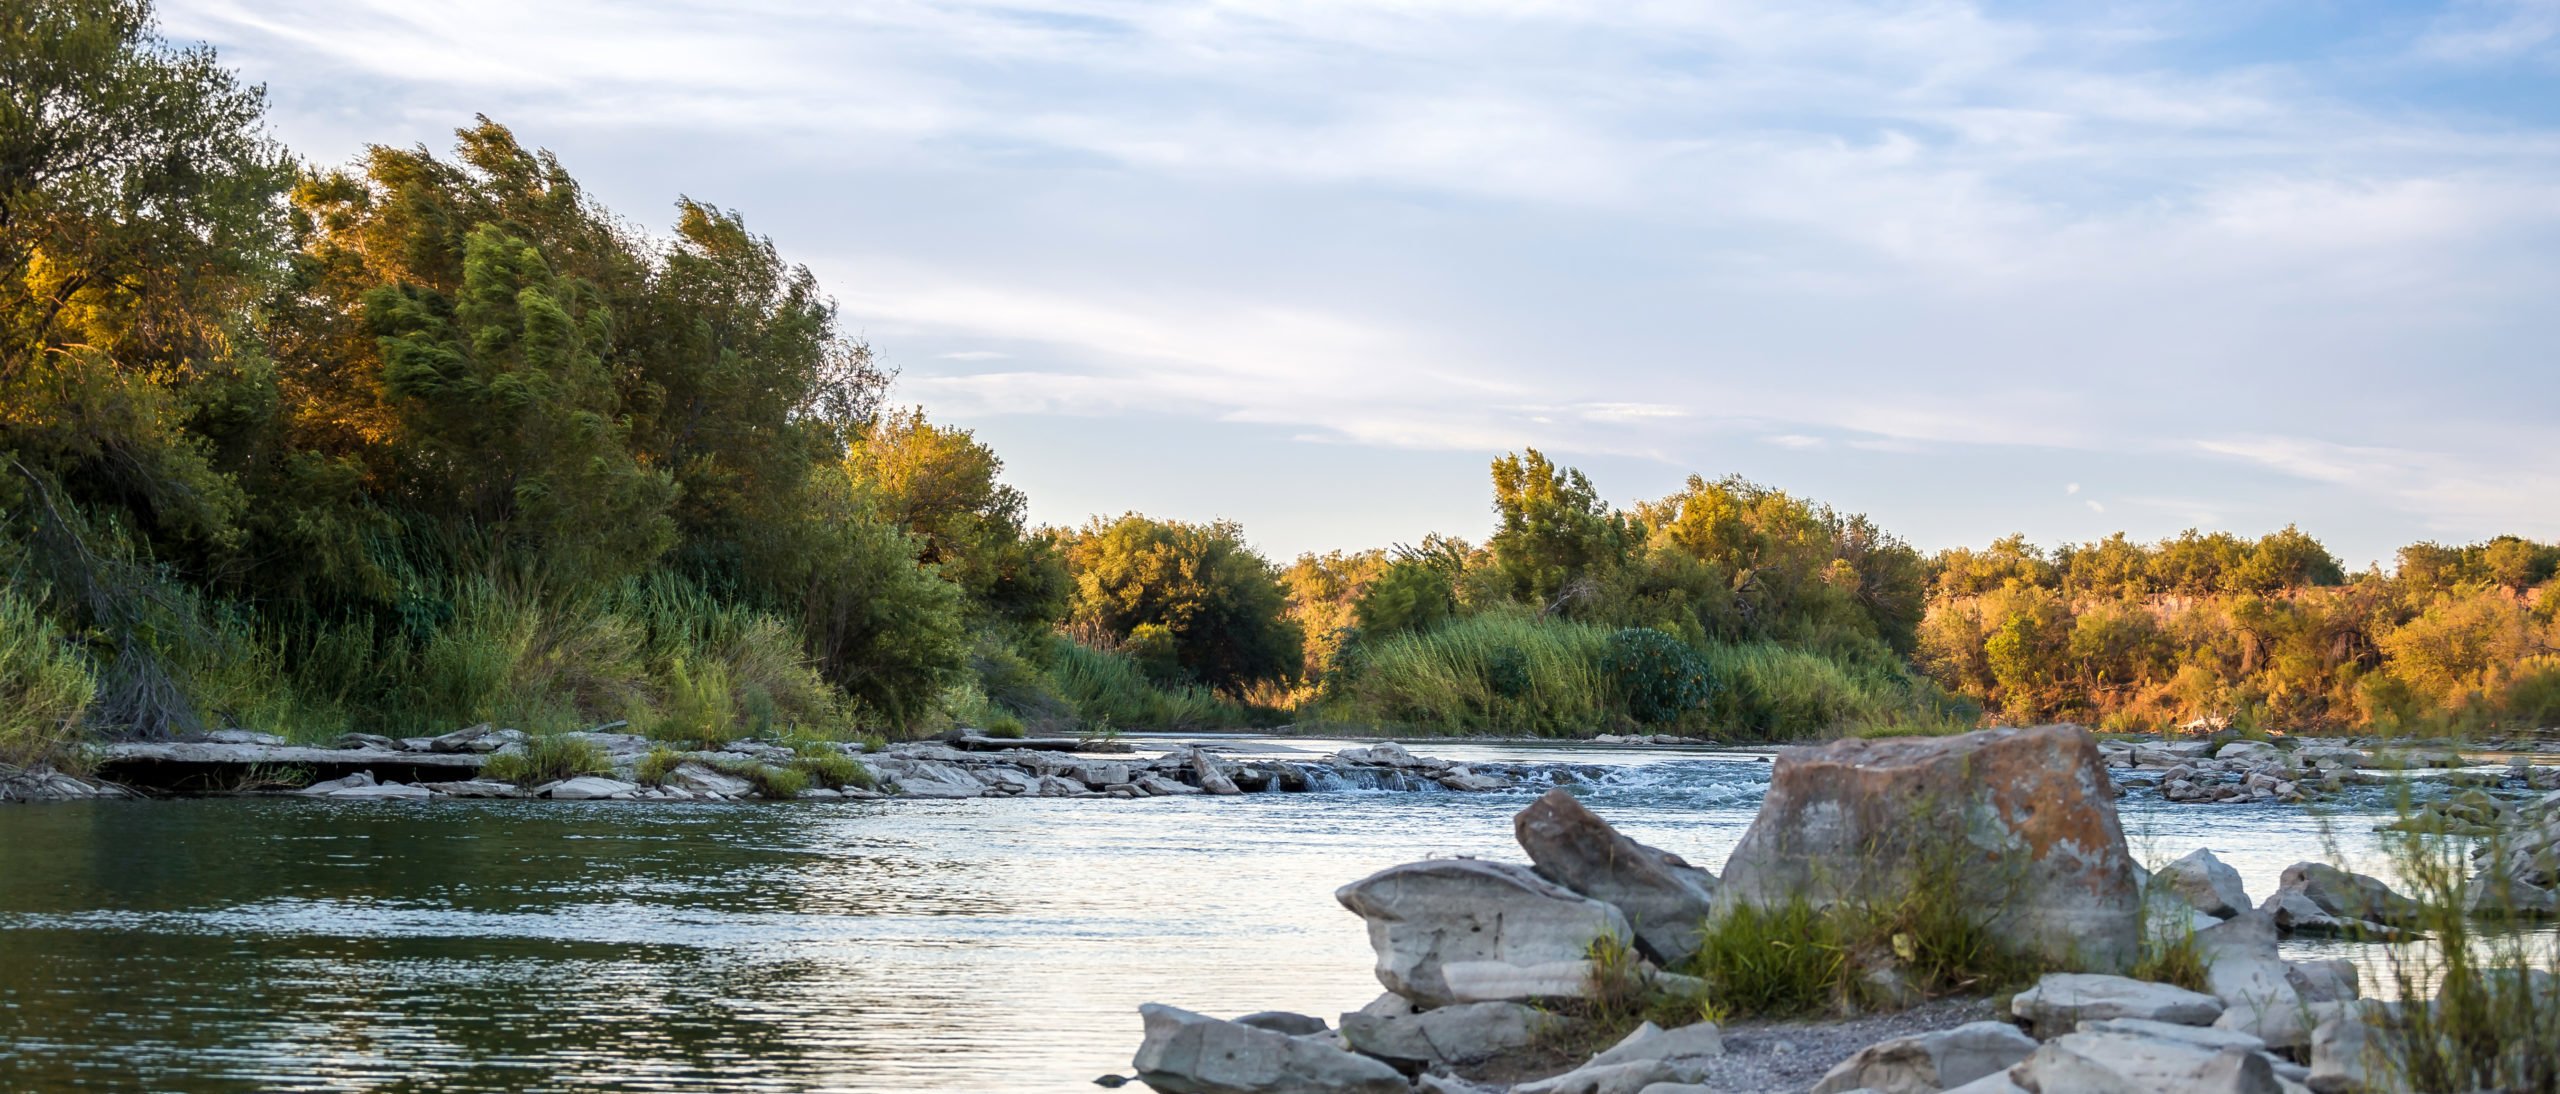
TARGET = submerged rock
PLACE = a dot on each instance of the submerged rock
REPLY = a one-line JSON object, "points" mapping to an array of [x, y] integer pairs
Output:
{"points": [[2023, 819], [1188, 1053], [1464, 931], [1665, 899]]}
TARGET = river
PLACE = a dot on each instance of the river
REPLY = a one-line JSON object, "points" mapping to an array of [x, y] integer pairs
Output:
{"points": [[974, 945]]}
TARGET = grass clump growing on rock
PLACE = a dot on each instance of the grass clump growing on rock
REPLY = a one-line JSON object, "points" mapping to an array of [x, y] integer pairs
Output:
{"points": [[548, 760], [832, 769], [655, 767]]}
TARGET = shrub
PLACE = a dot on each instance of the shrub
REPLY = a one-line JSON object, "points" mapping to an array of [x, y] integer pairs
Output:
{"points": [[1442, 680], [1106, 686], [547, 760], [44, 685], [1786, 960], [1659, 678], [1004, 724]]}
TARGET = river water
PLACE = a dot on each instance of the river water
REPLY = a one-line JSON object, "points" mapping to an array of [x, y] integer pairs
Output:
{"points": [[975, 945]]}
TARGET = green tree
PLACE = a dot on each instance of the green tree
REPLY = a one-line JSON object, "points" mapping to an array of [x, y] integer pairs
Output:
{"points": [[1553, 529], [941, 484], [1218, 602]]}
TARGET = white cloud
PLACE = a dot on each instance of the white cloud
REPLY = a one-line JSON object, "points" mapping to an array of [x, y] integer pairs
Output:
{"points": [[2071, 488], [974, 355]]}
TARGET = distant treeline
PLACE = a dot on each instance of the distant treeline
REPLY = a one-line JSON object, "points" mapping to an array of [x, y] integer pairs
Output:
{"points": [[421, 441]]}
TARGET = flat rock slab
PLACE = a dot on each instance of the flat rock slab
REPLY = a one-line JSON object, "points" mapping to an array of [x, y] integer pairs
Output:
{"points": [[1039, 744], [211, 754], [2061, 1001]]}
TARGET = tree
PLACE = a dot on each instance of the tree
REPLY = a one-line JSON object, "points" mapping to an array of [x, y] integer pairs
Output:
{"points": [[1553, 529], [940, 484], [1217, 601]]}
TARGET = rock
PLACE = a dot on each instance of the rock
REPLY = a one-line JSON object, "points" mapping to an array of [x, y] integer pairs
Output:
{"points": [[1458, 1034], [1856, 819], [590, 788], [1285, 1022], [462, 740], [2249, 752], [332, 786], [821, 794], [1159, 786], [1059, 786], [1626, 1078], [477, 788], [2509, 897], [1679, 1088], [2120, 1062], [1929, 1062], [1387, 754], [1187, 1053], [1098, 774], [1666, 900], [2061, 1000], [2243, 970], [2206, 1036], [1005, 780], [373, 741], [1998, 1082], [703, 780], [2331, 981], [2347, 896], [416, 744], [2205, 882], [2342, 1053], [1680, 1048], [917, 778], [1426, 916], [1212, 781], [244, 737], [381, 792], [1468, 782]]}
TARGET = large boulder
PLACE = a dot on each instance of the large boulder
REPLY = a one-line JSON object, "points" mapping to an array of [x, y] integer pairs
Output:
{"points": [[1458, 1034], [1666, 900], [2062, 1000], [1467, 931], [2206, 882], [2023, 820], [1187, 1053], [1930, 1062]]}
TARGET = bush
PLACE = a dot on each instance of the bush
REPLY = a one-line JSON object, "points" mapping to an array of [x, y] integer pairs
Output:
{"points": [[1659, 678], [1781, 961], [45, 685], [699, 709], [548, 760]]}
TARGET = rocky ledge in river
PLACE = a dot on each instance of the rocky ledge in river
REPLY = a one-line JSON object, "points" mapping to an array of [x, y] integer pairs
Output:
{"points": [[1489, 967], [367, 767], [2229, 768]]}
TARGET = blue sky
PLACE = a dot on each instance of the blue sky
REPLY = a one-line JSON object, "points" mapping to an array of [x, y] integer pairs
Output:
{"points": [[2060, 269]]}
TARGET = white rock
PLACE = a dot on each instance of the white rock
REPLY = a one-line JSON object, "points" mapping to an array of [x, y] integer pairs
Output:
{"points": [[2062, 1000], [1482, 916], [1188, 1053], [2206, 882], [1929, 1062], [2244, 971], [2116, 1062], [591, 788], [1626, 1078], [382, 792], [702, 779], [1682, 1049], [1457, 1034]]}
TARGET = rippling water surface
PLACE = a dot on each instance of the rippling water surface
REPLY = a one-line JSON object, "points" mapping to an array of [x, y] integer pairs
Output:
{"points": [[981, 945]]}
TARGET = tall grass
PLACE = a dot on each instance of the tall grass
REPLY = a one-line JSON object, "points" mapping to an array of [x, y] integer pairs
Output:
{"points": [[2479, 1007], [1108, 688], [1510, 672], [45, 686]]}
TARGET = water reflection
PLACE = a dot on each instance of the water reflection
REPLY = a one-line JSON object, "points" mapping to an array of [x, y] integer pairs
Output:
{"points": [[942, 946]]}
